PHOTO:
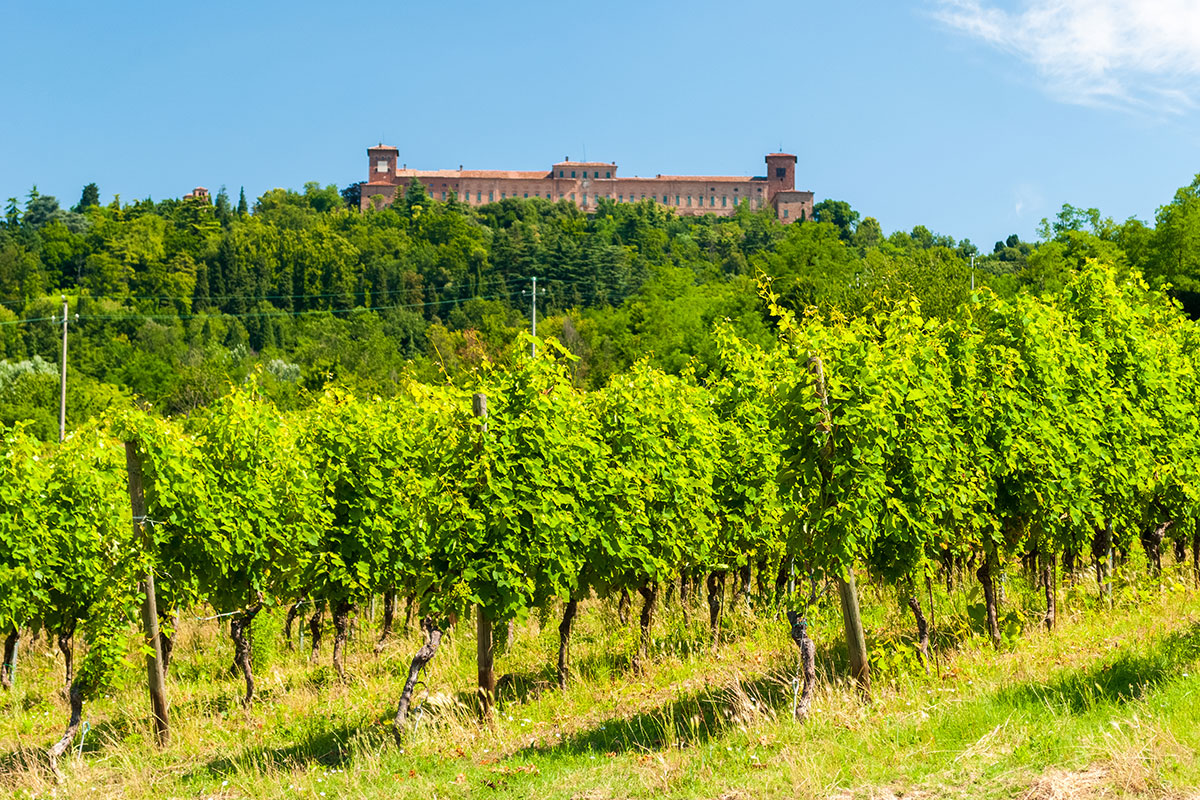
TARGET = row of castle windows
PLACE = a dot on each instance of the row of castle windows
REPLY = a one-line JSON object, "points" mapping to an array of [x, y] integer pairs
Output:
{"points": [[621, 199], [712, 201], [595, 173]]}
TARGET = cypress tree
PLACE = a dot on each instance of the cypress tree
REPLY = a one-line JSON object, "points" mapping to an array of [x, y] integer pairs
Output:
{"points": [[200, 295], [90, 197]]}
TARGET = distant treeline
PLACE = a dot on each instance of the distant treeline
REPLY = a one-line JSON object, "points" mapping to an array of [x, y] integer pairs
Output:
{"points": [[172, 301]]}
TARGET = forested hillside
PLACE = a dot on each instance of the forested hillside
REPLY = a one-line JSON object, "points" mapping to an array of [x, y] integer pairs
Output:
{"points": [[172, 301]]}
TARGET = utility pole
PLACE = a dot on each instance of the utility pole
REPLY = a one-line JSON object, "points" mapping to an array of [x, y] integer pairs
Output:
{"points": [[62, 394], [533, 320]]}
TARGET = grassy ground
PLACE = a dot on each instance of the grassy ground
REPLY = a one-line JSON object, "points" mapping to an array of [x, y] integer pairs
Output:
{"points": [[1105, 706]]}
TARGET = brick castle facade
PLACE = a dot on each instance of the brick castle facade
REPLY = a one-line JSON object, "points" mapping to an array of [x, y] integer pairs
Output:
{"points": [[586, 182]]}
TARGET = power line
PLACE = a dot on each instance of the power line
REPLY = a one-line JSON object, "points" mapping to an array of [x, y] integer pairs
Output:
{"points": [[494, 282], [248, 314], [591, 291]]}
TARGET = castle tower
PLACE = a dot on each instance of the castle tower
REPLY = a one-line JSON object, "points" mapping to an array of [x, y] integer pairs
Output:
{"points": [[381, 164], [781, 174]]}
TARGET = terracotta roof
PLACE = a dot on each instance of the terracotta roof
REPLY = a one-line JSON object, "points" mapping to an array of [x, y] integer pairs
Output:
{"points": [[783, 155], [700, 178], [584, 164], [502, 174], [383, 147], [471, 173]]}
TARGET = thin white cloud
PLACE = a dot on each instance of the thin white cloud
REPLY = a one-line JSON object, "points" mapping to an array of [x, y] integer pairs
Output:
{"points": [[1128, 54], [1027, 197]]}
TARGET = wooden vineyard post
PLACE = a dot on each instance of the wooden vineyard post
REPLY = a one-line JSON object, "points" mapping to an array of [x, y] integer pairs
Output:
{"points": [[154, 670], [485, 652], [1108, 561], [856, 642]]}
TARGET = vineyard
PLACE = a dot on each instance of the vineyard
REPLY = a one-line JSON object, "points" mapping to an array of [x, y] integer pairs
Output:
{"points": [[891, 453]]}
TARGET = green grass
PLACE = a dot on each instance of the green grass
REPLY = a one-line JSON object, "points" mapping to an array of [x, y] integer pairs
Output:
{"points": [[1104, 706]]}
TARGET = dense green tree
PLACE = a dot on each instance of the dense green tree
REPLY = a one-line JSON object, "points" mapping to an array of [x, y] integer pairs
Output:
{"points": [[867, 235], [89, 198], [1176, 248], [222, 207], [839, 214]]}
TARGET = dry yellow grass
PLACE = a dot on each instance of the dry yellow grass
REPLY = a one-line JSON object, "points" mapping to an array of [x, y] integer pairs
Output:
{"points": [[1099, 708]]}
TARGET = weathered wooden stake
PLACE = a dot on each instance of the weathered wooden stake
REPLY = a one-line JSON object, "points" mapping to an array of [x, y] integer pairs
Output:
{"points": [[856, 641], [154, 670], [8, 670], [485, 650], [485, 655], [1108, 561]]}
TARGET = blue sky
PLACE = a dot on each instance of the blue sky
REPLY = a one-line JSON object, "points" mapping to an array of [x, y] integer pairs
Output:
{"points": [[975, 118]]}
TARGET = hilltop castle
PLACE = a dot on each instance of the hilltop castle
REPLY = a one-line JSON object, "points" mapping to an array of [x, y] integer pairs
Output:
{"points": [[585, 182]]}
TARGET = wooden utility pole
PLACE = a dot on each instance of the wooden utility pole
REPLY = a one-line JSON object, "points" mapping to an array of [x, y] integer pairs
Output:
{"points": [[856, 641], [485, 652], [154, 670]]}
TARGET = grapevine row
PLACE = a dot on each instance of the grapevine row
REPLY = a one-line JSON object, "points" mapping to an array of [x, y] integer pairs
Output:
{"points": [[889, 443]]}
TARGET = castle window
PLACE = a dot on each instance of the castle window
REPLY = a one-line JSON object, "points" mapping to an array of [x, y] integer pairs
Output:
{"points": [[735, 202], [620, 198], [547, 195], [781, 172], [689, 199], [527, 195], [443, 195], [479, 197], [664, 199], [572, 197], [572, 173], [712, 201], [785, 213], [596, 174], [597, 201], [491, 196], [608, 174], [723, 199], [560, 173], [502, 195]]}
